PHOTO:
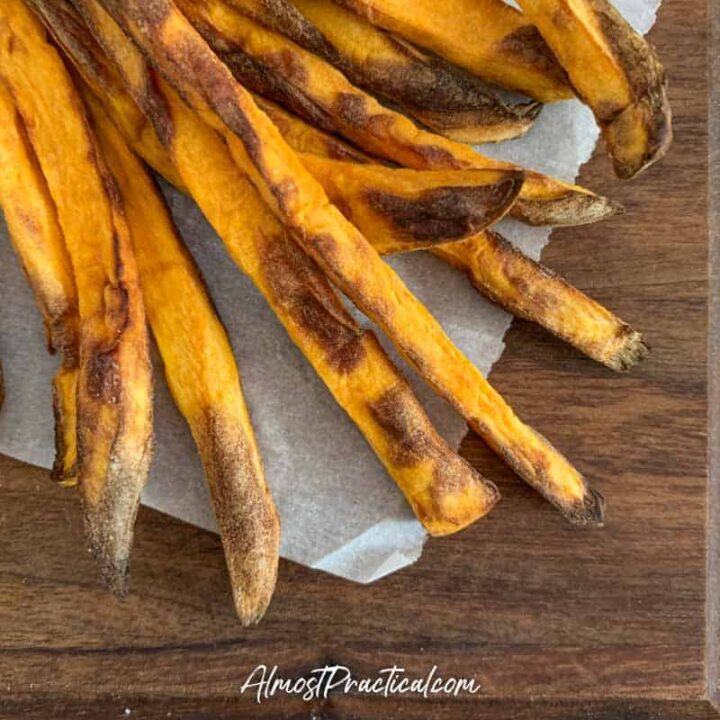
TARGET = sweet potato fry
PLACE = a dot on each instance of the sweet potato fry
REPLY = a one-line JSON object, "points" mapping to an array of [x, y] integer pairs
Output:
{"points": [[439, 95], [345, 255], [36, 236], [487, 37], [275, 67], [203, 378], [411, 209], [532, 292], [114, 389], [444, 491], [617, 74], [505, 276]]}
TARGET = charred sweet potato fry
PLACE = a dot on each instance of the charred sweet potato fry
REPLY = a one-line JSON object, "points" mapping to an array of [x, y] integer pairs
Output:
{"points": [[203, 378], [444, 491], [37, 238], [114, 389], [532, 292], [344, 254], [617, 74], [413, 209], [504, 275], [274, 66], [487, 37], [439, 95]]}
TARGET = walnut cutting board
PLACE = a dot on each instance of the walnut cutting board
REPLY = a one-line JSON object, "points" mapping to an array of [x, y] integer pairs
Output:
{"points": [[555, 623]]}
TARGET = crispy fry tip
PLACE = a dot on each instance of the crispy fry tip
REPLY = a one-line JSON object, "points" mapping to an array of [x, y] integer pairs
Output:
{"points": [[590, 512], [573, 209], [111, 551], [250, 611], [633, 350]]}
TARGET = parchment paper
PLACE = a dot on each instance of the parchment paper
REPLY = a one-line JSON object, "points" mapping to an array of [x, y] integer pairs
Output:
{"points": [[340, 511]]}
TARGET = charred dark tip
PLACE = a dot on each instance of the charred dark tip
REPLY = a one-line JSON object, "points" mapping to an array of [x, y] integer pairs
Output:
{"points": [[590, 512]]}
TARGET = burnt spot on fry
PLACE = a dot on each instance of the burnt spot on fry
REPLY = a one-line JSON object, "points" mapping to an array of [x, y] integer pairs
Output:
{"points": [[396, 412], [445, 213], [285, 194], [328, 248], [298, 286], [156, 109], [278, 76], [636, 58], [434, 157], [116, 311], [64, 23], [590, 512], [265, 80], [289, 66], [112, 191], [204, 71], [151, 13], [102, 378], [351, 108], [412, 441], [284, 18], [341, 151], [527, 43]]}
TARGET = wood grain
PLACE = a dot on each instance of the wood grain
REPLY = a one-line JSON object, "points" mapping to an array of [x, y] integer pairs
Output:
{"points": [[554, 622]]}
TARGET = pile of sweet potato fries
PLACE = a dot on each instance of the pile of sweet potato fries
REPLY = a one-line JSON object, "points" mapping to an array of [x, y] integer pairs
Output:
{"points": [[316, 137]]}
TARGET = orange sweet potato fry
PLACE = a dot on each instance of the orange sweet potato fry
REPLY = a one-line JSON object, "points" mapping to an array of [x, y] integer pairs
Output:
{"points": [[114, 387], [497, 269], [39, 243]]}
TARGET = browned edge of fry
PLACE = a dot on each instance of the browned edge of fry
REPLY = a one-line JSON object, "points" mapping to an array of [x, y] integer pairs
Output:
{"points": [[648, 82]]}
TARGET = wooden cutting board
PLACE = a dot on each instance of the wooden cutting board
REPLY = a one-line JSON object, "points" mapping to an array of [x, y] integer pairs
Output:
{"points": [[555, 623]]}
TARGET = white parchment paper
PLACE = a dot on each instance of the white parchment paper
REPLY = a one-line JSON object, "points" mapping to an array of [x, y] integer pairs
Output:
{"points": [[340, 511]]}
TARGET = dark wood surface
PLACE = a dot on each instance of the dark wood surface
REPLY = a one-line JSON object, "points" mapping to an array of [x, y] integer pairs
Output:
{"points": [[554, 622]]}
